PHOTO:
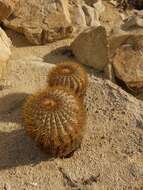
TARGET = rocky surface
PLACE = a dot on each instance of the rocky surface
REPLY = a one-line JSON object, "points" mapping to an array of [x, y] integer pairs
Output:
{"points": [[41, 21], [91, 47], [84, 13], [128, 62], [48, 22], [58, 20]]}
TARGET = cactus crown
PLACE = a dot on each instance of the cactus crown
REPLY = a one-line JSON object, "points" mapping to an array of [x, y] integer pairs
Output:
{"points": [[55, 119], [70, 75]]}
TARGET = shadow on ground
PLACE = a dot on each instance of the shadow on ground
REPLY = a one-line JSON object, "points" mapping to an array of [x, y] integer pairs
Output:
{"points": [[64, 54], [16, 149], [10, 107], [59, 55]]}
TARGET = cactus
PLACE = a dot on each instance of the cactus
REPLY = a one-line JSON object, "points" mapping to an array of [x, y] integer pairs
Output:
{"points": [[70, 75], [55, 119]]}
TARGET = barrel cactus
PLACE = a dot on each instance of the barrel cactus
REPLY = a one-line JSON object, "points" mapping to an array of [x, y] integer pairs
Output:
{"points": [[55, 119], [70, 75]]}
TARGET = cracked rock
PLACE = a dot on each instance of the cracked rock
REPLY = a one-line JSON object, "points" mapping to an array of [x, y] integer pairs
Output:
{"points": [[128, 62], [41, 21]]}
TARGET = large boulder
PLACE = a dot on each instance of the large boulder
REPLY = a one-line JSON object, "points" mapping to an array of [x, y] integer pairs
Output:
{"points": [[5, 51], [128, 62], [120, 38], [91, 47], [35, 64], [41, 21], [18, 67], [6, 8]]}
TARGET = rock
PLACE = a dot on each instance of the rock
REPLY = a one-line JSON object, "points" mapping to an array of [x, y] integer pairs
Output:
{"points": [[91, 47], [115, 41], [90, 15], [6, 8], [5, 44], [132, 22], [35, 66], [5, 51], [77, 15], [113, 2], [109, 20], [41, 21], [85, 13], [99, 8], [128, 62]]}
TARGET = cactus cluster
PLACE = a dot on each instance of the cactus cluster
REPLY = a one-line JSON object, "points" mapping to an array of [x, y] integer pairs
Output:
{"points": [[55, 117], [72, 76]]}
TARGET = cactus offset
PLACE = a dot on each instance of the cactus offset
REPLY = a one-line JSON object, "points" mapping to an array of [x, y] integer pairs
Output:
{"points": [[70, 75], [55, 119]]}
